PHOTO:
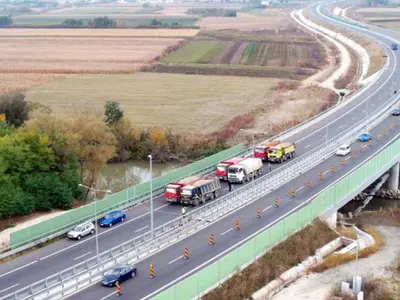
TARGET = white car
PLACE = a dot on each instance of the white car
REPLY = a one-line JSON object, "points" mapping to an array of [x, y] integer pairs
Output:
{"points": [[343, 150], [81, 230]]}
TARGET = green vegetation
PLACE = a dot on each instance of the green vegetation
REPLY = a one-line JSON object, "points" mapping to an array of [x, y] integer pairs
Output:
{"points": [[212, 12], [101, 22], [249, 49], [5, 21], [14, 110], [195, 52], [72, 23]]}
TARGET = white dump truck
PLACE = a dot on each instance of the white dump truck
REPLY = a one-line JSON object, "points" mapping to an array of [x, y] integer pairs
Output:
{"points": [[245, 170]]}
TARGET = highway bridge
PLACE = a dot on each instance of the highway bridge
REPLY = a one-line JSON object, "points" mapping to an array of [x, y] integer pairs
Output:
{"points": [[173, 273]]}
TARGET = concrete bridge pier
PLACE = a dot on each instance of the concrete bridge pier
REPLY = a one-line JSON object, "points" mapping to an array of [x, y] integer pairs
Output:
{"points": [[394, 177], [331, 219]]}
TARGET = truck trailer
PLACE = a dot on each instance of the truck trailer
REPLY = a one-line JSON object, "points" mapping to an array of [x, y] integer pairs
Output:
{"points": [[281, 152], [172, 192], [245, 170], [222, 167], [261, 151], [200, 191]]}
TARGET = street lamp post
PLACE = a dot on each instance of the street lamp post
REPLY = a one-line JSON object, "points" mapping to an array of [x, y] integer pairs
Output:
{"points": [[95, 215], [252, 155], [151, 197], [355, 278]]}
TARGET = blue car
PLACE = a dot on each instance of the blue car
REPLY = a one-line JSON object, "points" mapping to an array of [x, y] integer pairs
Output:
{"points": [[119, 274], [365, 137], [394, 46], [112, 218]]}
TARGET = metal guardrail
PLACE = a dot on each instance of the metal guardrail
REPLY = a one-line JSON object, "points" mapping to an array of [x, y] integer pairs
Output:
{"points": [[87, 272]]}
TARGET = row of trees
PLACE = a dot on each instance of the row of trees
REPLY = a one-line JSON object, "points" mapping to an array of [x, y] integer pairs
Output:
{"points": [[214, 12], [5, 21], [100, 22]]}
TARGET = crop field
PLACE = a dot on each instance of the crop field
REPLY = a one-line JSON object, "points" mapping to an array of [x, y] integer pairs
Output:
{"points": [[195, 52], [14, 82], [192, 103], [382, 16], [79, 54], [275, 54]]}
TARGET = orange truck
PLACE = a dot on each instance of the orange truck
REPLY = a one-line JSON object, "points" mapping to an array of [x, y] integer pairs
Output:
{"points": [[261, 151]]}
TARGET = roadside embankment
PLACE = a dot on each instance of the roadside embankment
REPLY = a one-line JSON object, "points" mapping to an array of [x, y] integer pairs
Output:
{"points": [[279, 259]]}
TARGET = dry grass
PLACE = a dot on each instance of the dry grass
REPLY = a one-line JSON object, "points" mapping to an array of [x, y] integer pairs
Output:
{"points": [[14, 82], [347, 232], [388, 217], [242, 22], [373, 290], [83, 32], [281, 258], [334, 259], [183, 102], [79, 54]]}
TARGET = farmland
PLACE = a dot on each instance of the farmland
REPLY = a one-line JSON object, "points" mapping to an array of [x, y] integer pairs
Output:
{"points": [[382, 16], [65, 51], [192, 103]]}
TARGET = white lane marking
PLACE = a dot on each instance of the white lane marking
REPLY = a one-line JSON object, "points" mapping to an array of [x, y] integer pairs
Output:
{"points": [[168, 212], [267, 208], [347, 158], [108, 296], [140, 229], [341, 126], [225, 232], [99, 234], [14, 270], [225, 189], [326, 172], [176, 259], [353, 118], [307, 146], [76, 258], [260, 230], [10, 287], [300, 188]]}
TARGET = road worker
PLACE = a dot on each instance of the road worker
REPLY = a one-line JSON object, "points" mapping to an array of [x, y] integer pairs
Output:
{"points": [[183, 211]]}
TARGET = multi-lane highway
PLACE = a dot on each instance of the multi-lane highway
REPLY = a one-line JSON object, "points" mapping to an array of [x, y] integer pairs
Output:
{"points": [[168, 263]]}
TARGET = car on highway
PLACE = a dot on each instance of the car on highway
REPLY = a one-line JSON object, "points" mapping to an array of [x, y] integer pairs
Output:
{"points": [[394, 46], [396, 112], [119, 274], [81, 230], [343, 150], [112, 218], [365, 137]]}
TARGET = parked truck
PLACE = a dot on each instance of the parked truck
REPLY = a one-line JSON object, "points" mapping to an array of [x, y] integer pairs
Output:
{"points": [[173, 190], [200, 191], [261, 151], [281, 152], [245, 170], [222, 167]]}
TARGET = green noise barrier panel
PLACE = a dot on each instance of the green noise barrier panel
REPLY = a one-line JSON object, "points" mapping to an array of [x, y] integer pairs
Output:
{"points": [[124, 198], [212, 275]]}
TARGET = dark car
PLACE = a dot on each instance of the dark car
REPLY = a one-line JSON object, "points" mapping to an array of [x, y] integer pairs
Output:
{"points": [[112, 218], [396, 112], [119, 274]]}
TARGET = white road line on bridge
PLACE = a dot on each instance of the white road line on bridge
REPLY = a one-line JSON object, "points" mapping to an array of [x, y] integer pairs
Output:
{"points": [[300, 188], [225, 189], [353, 118], [80, 256], [10, 287], [12, 271], [108, 296], [307, 146], [225, 232], [140, 229], [176, 259], [326, 172], [341, 126], [267, 208], [347, 158], [167, 212]]}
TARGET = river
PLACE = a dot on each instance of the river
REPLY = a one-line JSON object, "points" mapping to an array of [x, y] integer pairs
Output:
{"points": [[118, 176]]}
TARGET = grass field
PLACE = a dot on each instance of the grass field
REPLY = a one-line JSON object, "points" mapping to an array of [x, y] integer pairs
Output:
{"points": [[382, 16], [186, 102], [14, 82], [195, 52], [162, 33]]}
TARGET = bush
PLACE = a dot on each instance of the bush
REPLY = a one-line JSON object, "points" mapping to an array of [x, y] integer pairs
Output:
{"points": [[15, 108], [101, 22], [72, 23]]}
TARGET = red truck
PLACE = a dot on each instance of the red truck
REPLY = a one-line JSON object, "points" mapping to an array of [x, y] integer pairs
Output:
{"points": [[172, 192], [261, 151], [222, 167]]}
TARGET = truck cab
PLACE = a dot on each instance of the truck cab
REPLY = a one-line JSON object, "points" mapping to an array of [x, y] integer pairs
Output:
{"points": [[281, 152], [236, 173], [172, 192], [261, 151], [394, 46], [222, 167]]}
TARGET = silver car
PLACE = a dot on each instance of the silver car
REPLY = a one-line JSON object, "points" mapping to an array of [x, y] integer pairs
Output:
{"points": [[81, 230]]}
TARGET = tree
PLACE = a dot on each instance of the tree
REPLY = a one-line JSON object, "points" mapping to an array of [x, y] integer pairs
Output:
{"points": [[113, 113], [15, 108], [5, 21], [72, 23], [155, 22], [101, 22]]}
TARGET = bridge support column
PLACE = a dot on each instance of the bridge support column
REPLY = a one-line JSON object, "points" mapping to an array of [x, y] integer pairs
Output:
{"points": [[331, 220], [394, 177]]}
